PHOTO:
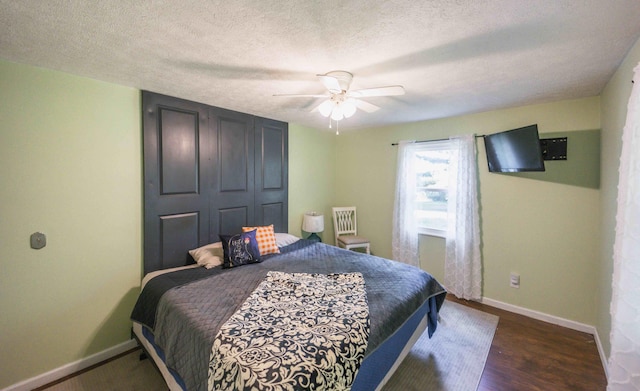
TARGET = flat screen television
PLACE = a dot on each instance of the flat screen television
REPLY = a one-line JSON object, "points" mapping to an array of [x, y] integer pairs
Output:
{"points": [[514, 150]]}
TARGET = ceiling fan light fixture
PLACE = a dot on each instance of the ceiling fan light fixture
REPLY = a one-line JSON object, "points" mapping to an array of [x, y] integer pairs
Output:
{"points": [[341, 102], [326, 108], [348, 108], [337, 113]]}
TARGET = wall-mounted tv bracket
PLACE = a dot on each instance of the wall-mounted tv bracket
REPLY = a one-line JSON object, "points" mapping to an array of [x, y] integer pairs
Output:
{"points": [[554, 148]]}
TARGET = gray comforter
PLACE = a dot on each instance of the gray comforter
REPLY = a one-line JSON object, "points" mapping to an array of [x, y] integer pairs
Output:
{"points": [[188, 315]]}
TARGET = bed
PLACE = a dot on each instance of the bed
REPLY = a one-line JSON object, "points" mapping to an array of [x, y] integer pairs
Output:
{"points": [[179, 312]]}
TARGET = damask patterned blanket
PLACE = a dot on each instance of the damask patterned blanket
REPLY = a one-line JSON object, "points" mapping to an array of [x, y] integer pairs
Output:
{"points": [[296, 330]]}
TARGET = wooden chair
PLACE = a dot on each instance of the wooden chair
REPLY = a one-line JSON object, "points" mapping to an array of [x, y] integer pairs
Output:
{"points": [[345, 228]]}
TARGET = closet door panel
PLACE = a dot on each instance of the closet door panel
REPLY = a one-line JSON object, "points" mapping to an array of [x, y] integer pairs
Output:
{"points": [[231, 220], [232, 197], [179, 151], [177, 232], [271, 168], [274, 213], [234, 156], [176, 171]]}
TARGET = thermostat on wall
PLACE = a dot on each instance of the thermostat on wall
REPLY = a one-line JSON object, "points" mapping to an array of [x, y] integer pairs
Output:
{"points": [[38, 241]]}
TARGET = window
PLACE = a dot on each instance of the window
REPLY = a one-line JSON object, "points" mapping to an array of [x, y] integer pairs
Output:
{"points": [[434, 178], [432, 183]]}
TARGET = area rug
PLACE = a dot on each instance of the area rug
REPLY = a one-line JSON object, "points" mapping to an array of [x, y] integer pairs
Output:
{"points": [[453, 359]]}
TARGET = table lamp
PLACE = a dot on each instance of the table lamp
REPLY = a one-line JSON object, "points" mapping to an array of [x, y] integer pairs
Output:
{"points": [[313, 223]]}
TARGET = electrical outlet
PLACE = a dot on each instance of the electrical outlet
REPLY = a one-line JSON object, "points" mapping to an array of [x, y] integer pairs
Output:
{"points": [[514, 281]]}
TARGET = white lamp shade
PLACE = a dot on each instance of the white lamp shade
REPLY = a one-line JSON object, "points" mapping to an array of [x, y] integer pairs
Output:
{"points": [[313, 222]]}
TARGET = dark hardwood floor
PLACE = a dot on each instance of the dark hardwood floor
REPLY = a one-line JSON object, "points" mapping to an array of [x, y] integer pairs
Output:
{"points": [[528, 354]]}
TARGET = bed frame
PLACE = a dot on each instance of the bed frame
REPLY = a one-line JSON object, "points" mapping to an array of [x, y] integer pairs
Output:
{"points": [[150, 352]]}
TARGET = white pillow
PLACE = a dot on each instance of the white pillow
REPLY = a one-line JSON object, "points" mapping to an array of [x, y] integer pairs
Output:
{"points": [[208, 256], [283, 239]]}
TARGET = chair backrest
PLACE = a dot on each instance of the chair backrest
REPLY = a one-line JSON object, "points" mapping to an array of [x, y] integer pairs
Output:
{"points": [[344, 221]]}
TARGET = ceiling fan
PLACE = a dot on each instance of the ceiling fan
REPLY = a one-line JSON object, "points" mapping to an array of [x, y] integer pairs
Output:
{"points": [[343, 103]]}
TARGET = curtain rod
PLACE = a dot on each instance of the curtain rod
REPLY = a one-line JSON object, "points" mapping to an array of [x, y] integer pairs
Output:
{"points": [[438, 139]]}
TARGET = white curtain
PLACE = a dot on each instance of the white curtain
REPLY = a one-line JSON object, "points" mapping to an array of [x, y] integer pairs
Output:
{"points": [[624, 362], [462, 267], [404, 243]]}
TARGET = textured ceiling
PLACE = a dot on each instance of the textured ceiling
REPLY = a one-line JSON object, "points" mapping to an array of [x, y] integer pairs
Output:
{"points": [[452, 57]]}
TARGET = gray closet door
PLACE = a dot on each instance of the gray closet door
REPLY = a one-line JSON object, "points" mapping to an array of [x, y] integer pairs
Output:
{"points": [[232, 197], [207, 171], [176, 178], [272, 173]]}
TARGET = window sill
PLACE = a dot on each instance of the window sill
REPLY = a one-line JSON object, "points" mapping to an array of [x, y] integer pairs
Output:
{"points": [[433, 232]]}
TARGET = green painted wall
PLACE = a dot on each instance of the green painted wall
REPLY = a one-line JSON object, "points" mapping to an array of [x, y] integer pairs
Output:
{"points": [[312, 161], [582, 167], [70, 163], [614, 113], [548, 232], [71, 167]]}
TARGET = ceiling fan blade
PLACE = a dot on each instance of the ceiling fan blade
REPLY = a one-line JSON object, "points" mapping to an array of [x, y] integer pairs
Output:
{"points": [[378, 91], [331, 83], [366, 106], [302, 95]]}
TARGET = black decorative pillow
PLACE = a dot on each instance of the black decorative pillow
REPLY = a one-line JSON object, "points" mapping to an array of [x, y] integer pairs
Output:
{"points": [[240, 249]]}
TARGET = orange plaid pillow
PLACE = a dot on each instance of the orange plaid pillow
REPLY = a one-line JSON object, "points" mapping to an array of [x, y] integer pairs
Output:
{"points": [[266, 238]]}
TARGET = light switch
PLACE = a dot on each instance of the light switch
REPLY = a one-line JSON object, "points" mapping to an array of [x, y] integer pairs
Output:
{"points": [[38, 241]]}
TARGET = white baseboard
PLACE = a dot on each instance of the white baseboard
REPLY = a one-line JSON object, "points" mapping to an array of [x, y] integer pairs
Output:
{"points": [[603, 356], [585, 328], [71, 368]]}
